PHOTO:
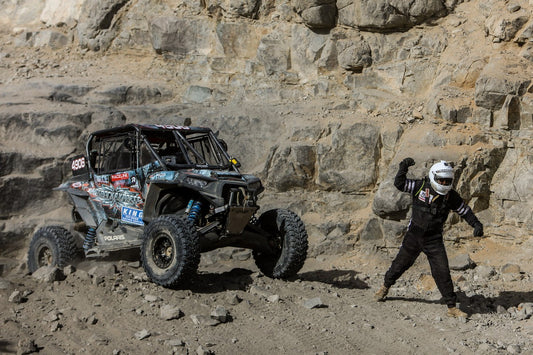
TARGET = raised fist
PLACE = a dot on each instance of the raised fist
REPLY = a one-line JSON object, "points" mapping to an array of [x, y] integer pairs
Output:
{"points": [[407, 162]]}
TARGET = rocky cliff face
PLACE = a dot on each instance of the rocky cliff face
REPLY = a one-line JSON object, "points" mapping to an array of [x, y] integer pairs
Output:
{"points": [[321, 98]]}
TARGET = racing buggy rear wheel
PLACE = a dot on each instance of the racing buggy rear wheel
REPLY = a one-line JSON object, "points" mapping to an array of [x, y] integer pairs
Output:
{"points": [[288, 241], [51, 246], [170, 251]]}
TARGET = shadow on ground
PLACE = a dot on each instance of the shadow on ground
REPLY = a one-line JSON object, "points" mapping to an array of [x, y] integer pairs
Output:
{"points": [[235, 279], [7, 347], [337, 278], [479, 304]]}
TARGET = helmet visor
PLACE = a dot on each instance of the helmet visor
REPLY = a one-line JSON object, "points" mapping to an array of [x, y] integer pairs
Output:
{"points": [[443, 181]]}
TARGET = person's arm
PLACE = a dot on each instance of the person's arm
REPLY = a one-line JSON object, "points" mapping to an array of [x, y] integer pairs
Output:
{"points": [[466, 213], [400, 181]]}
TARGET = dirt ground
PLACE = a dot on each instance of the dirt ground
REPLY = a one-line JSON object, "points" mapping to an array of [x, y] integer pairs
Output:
{"points": [[109, 307]]}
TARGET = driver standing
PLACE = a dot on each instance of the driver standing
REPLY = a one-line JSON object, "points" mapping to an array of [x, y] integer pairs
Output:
{"points": [[432, 199]]}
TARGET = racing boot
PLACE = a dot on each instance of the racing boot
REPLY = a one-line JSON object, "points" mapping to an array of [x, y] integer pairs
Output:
{"points": [[455, 312], [381, 294]]}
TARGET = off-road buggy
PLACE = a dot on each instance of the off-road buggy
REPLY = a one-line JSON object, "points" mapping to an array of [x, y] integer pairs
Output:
{"points": [[174, 192]]}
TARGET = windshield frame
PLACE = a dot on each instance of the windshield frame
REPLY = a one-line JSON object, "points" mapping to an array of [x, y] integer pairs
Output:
{"points": [[218, 152]]}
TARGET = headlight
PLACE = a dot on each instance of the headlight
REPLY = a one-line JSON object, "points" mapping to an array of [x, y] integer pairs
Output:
{"points": [[254, 185], [195, 182]]}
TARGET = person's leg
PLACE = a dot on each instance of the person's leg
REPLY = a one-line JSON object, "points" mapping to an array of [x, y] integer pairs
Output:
{"points": [[440, 269], [409, 251]]}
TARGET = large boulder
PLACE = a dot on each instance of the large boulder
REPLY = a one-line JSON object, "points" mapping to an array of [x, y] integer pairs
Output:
{"points": [[511, 185], [317, 14], [291, 166], [310, 50], [181, 36], [98, 23], [388, 15], [241, 8], [504, 28], [354, 55], [348, 164], [500, 78]]}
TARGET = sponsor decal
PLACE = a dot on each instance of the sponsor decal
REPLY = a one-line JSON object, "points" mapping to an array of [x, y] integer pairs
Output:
{"points": [[110, 238], [422, 196], [101, 179], [76, 185], [120, 176], [132, 216], [425, 196], [107, 195], [163, 175], [169, 126]]}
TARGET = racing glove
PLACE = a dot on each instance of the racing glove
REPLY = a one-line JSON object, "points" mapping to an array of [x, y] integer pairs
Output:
{"points": [[406, 163], [478, 230]]}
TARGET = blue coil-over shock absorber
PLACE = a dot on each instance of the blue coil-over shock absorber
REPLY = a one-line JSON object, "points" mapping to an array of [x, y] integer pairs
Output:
{"points": [[90, 238], [194, 211]]}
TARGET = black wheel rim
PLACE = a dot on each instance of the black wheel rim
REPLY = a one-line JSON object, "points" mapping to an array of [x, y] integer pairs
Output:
{"points": [[163, 251], [45, 257]]}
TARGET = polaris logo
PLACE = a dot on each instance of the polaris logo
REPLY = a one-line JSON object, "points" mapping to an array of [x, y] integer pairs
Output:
{"points": [[110, 238]]}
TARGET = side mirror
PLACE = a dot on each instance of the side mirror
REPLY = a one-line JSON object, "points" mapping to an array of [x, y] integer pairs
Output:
{"points": [[235, 162]]}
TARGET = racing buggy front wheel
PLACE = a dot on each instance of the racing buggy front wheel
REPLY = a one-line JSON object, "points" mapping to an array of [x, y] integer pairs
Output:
{"points": [[170, 251], [51, 246], [288, 241]]}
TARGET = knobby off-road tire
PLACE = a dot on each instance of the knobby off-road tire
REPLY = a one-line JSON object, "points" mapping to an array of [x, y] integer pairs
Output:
{"points": [[170, 251], [289, 240], [52, 246]]}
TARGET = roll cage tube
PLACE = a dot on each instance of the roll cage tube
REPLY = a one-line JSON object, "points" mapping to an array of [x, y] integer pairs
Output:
{"points": [[221, 154], [151, 149], [223, 160]]}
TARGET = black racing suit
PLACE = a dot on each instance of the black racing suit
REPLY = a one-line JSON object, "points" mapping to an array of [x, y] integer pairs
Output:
{"points": [[424, 234]]}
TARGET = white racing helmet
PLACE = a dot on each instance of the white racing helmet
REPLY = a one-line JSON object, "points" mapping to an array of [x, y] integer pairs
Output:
{"points": [[441, 177]]}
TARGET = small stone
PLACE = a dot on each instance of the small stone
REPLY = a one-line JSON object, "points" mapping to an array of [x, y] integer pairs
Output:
{"points": [[26, 347], [175, 342], [103, 270], [169, 312], [314, 303], [255, 290], [151, 298], [233, 299], [15, 297], [221, 314], [501, 309], [204, 320], [142, 334], [242, 255], [462, 262], [48, 274], [52, 316], [201, 351], [510, 269], [273, 298], [514, 349], [69, 270], [135, 264], [92, 320], [513, 8]]}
